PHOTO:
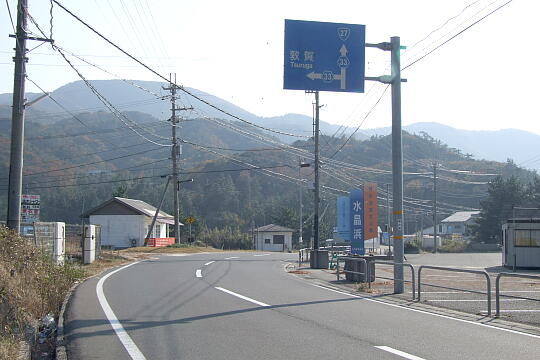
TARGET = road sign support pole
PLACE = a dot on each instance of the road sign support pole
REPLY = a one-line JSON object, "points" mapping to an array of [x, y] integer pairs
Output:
{"points": [[395, 81], [397, 164], [316, 190]]}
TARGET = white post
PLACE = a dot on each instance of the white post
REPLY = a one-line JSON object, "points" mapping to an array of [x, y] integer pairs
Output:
{"points": [[89, 244], [59, 242]]}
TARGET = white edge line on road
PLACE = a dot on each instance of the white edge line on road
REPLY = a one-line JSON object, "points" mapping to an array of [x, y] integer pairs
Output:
{"points": [[198, 273], [232, 257], [470, 300], [400, 353], [124, 337], [429, 313], [242, 296], [208, 263]]}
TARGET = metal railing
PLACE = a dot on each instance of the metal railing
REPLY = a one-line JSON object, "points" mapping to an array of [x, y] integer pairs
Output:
{"points": [[412, 281], [366, 273], [497, 289], [479, 272]]}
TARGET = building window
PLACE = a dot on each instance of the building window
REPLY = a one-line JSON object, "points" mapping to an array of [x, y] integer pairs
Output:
{"points": [[526, 238], [279, 239], [267, 241]]}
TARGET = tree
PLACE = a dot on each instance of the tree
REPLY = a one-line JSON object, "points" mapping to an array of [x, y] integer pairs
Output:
{"points": [[120, 191], [503, 194]]}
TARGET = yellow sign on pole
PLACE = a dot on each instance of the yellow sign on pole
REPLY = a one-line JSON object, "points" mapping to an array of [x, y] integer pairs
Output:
{"points": [[190, 219]]}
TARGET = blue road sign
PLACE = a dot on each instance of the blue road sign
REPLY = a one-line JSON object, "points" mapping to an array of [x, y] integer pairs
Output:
{"points": [[343, 218], [324, 56], [356, 203]]}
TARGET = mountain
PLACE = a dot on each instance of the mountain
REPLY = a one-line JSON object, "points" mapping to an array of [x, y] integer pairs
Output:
{"points": [[77, 97], [500, 145]]}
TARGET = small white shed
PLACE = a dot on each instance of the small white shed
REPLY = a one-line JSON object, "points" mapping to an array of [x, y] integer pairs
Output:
{"points": [[521, 243], [125, 222], [273, 237]]}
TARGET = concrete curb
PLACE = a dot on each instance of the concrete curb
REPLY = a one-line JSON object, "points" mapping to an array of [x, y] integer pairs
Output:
{"points": [[61, 353]]}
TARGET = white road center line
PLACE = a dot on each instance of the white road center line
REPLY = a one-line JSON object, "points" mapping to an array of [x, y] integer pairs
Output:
{"points": [[232, 257], [124, 337], [208, 263], [242, 296], [198, 273], [400, 353]]}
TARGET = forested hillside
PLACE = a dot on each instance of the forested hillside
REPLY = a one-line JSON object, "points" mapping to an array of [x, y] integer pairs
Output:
{"points": [[242, 178]]}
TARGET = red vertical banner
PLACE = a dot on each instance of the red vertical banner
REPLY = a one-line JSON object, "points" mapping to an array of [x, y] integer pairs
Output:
{"points": [[371, 211]]}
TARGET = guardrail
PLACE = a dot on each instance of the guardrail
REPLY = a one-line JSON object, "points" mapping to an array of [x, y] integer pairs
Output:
{"points": [[412, 281], [479, 272], [366, 273], [497, 289]]}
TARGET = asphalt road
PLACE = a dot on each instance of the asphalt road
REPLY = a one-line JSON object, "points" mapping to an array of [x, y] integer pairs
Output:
{"points": [[245, 306]]}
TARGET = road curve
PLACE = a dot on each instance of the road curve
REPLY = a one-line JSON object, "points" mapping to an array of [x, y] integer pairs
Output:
{"points": [[245, 306]]}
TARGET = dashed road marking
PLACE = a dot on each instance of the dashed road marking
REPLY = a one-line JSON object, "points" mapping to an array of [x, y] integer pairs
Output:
{"points": [[242, 297], [198, 273], [261, 255], [232, 257], [399, 353], [208, 263]]}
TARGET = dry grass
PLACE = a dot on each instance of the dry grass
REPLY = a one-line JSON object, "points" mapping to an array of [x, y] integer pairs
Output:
{"points": [[31, 286]]}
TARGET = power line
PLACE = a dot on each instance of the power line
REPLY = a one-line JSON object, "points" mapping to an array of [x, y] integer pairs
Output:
{"points": [[167, 80], [456, 35], [90, 163]]}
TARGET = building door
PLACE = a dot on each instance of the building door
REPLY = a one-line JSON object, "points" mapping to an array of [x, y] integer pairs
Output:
{"points": [[280, 241]]}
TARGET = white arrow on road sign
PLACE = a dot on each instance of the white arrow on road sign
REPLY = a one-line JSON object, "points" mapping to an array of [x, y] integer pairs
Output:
{"points": [[328, 76]]}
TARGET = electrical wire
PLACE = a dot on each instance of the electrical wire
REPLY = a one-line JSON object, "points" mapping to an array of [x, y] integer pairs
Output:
{"points": [[181, 88], [456, 35]]}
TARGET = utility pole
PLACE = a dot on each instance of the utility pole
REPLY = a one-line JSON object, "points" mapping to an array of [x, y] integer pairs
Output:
{"points": [[17, 118], [175, 152], [301, 165], [422, 229], [388, 215], [17, 121], [435, 208]]}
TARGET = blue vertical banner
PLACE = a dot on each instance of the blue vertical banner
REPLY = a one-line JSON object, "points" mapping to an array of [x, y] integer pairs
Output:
{"points": [[343, 218], [356, 207]]}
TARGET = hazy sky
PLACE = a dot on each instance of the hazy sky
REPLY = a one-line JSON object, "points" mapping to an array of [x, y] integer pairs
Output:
{"points": [[233, 49]]}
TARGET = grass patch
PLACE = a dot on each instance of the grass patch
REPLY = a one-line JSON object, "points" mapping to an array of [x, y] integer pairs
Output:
{"points": [[453, 246]]}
